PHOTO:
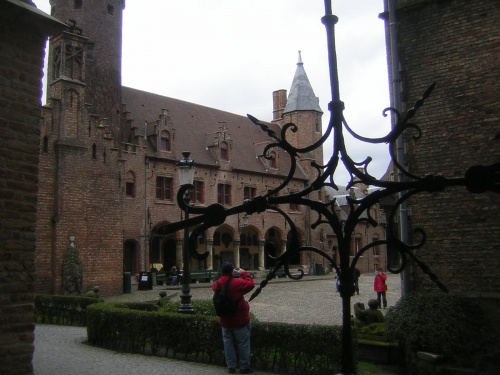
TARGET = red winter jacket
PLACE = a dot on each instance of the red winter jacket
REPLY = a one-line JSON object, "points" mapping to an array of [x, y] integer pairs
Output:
{"points": [[379, 283], [238, 288]]}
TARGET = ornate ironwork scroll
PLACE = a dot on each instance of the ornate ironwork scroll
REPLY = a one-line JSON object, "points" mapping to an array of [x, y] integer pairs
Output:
{"points": [[476, 179]]}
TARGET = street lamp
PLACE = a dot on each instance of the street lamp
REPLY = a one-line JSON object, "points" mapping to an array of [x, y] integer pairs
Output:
{"points": [[185, 167]]}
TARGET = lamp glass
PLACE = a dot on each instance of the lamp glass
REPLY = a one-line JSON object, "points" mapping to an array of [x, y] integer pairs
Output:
{"points": [[185, 168], [186, 175]]}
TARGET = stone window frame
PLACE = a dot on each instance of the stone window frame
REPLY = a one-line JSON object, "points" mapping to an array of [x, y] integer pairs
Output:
{"points": [[224, 194], [164, 189], [130, 185]]}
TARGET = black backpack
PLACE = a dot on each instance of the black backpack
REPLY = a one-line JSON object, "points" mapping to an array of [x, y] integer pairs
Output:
{"points": [[223, 300]]}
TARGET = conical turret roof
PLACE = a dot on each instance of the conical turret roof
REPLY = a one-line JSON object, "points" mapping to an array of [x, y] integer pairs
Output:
{"points": [[301, 97]]}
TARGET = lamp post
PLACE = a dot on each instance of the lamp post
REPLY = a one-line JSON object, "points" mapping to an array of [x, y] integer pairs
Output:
{"points": [[185, 167]]}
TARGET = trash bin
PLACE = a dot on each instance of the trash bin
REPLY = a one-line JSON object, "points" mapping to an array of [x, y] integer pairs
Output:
{"points": [[320, 270], [127, 282], [145, 281]]}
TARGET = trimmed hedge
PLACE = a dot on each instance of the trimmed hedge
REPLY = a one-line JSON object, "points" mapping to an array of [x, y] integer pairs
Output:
{"points": [[297, 348], [62, 310], [446, 324]]}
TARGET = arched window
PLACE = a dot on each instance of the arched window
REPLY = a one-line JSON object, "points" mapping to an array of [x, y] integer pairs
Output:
{"points": [[165, 142], [94, 151], [224, 151], [130, 185], [274, 160], [376, 249]]}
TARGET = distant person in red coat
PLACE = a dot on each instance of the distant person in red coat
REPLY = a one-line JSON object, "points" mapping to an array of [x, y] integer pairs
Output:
{"points": [[236, 327], [380, 287]]}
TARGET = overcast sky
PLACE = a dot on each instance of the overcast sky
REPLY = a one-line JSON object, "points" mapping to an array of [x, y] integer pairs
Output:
{"points": [[232, 54]]}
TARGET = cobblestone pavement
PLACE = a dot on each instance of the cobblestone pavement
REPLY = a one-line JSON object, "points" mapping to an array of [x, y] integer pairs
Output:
{"points": [[62, 350]]}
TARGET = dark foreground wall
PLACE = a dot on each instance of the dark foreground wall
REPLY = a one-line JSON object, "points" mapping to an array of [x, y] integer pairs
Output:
{"points": [[23, 31], [454, 44]]}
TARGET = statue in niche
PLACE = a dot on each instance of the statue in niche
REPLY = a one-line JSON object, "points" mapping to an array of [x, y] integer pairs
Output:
{"points": [[72, 270]]}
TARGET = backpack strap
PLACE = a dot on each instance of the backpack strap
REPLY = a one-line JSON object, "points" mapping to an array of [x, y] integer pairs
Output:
{"points": [[226, 284]]}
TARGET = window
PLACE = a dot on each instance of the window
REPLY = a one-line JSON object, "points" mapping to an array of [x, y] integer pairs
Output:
{"points": [[224, 194], [376, 249], [357, 245], [165, 144], [249, 192], [243, 240], [164, 187], [45, 145], [94, 151], [198, 194], [224, 151], [74, 58], [90, 52], [56, 62], [78, 4], [294, 207], [130, 185], [111, 10], [274, 160]]}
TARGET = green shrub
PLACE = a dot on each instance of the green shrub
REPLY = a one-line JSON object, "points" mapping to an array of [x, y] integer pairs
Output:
{"points": [[444, 324], [300, 349], [62, 310], [201, 307]]}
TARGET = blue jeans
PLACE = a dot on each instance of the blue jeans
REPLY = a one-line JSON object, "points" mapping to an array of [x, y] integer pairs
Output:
{"points": [[237, 346], [381, 296]]}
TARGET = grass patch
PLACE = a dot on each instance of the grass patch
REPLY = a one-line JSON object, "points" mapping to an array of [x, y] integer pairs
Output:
{"points": [[369, 367]]}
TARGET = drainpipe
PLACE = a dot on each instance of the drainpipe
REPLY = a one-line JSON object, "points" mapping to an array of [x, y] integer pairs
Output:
{"points": [[400, 155]]}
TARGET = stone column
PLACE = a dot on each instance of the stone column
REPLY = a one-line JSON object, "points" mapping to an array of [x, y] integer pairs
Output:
{"points": [[283, 247], [261, 254], [236, 252], [179, 245], [210, 249]]}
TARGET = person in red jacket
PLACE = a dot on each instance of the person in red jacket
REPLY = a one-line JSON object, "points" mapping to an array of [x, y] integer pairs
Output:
{"points": [[236, 328], [380, 287]]}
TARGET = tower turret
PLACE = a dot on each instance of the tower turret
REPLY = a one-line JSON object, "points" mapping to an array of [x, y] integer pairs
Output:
{"points": [[302, 108], [101, 22]]}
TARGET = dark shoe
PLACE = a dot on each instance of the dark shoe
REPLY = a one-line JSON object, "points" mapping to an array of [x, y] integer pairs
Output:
{"points": [[231, 371], [247, 371]]}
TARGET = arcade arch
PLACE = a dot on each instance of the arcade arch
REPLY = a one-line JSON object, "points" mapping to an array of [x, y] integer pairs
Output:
{"points": [[273, 246]]}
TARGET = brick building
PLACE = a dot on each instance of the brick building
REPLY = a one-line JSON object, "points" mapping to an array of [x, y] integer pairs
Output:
{"points": [[108, 164], [108, 174], [23, 31], [455, 44]]}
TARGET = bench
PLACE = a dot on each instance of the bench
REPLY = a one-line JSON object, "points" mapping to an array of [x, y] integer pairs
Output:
{"points": [[163, 277], [202, 275]]}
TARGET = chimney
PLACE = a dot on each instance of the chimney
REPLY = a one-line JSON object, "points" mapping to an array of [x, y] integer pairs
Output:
{"points": [[279, 103]]}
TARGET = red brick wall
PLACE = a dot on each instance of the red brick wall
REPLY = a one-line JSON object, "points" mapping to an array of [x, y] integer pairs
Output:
{"points": [[84, 200], [22, 45], [455, 44]]}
